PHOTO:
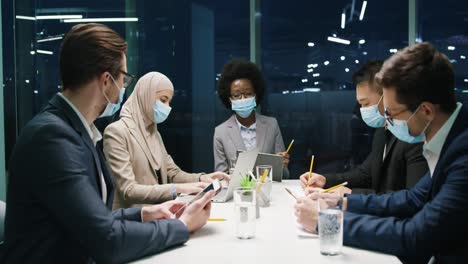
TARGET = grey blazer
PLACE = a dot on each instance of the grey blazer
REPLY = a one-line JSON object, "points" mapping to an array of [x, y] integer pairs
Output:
{"points": [[227, 140]]}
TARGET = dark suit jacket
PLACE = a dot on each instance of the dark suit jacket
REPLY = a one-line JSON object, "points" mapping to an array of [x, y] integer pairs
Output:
{"points": [[55, 213], [402, 167], [430, 219]]}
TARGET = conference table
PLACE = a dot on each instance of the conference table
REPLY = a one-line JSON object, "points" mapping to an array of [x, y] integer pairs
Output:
{"points": [[277, 239]]}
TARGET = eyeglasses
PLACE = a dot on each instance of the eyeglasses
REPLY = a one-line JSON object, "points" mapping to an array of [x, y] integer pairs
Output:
{"points": [[128, 79], [238, 96], [390, 117]]}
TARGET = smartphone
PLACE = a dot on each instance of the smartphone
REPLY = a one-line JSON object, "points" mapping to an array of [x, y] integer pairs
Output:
{"points": [[214, 185]]}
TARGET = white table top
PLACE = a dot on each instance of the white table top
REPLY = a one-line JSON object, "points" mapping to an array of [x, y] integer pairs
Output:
{"points": [[276, 239]]}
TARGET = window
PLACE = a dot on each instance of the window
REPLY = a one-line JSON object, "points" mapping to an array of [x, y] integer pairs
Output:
{"points": [[309, 75], [189, 41], [445, 24]]}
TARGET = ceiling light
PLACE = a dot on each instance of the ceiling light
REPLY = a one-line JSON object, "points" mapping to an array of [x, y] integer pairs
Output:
{"points": [[339, 40], [45, 52], [363, 10], [109, 19]]}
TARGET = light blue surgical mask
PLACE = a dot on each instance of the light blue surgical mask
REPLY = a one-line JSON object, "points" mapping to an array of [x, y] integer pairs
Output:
{"points": [[401, 131], [161, 111], [112, 108], [244, 107], [372, 116]]}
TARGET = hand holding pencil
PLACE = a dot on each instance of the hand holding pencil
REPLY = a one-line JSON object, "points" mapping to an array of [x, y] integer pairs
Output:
{"points": [[315, 180], [310, 170], [285, 154], [339, 190], [310, 179], [331, 196]]}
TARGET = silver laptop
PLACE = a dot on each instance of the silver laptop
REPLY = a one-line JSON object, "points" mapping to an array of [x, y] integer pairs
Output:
{"points": [[245, 163], [275, 161]]}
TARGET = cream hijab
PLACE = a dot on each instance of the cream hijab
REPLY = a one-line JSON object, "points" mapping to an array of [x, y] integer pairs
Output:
{"points": [[138, 109]]}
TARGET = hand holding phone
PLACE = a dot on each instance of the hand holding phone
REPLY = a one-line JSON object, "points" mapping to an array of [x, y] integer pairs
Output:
{"points": [[214, 185]]}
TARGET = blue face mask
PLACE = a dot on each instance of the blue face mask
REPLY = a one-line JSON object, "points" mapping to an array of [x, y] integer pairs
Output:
{"points": [[244, 107], [112, 108], [401, 131], [372, 116], [161, 112]]}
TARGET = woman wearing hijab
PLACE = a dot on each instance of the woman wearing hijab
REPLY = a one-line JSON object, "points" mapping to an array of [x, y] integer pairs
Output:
{"points": [[143, 171]]}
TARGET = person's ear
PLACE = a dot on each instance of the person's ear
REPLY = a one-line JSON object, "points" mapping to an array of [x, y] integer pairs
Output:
{"points": [[104, 81], [429, 110]]}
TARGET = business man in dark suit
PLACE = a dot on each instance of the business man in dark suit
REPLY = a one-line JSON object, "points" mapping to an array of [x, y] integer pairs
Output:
{"points": [[430, 219], [392, 164], [60, 189]]}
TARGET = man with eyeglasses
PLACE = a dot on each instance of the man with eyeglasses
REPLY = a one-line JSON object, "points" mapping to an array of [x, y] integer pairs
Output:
{"points": [[429, 219], [60, 190], [392, 165]]}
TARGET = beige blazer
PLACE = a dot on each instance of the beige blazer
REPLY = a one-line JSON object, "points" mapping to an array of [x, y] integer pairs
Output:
{"points": [[136, 182]]}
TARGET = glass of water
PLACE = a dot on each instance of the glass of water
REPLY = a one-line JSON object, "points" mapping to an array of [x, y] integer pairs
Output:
{"points": [[261, 169], [330, 227], [245, 214], [264, 193]]}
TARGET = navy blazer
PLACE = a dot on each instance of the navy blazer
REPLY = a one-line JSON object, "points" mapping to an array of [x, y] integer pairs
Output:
{"points": [[430, 219], [55, 213]]}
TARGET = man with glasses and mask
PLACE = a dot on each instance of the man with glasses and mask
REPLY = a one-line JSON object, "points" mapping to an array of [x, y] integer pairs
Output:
{"points": [[60, 190], [392, 164], [430, 219]]}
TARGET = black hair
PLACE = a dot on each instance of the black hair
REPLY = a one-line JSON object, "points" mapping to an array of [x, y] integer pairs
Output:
{"points": [[367, 73], [240, 69]]}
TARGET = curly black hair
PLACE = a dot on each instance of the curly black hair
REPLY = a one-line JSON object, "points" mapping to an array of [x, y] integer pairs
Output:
{"points": [[240, 69]]}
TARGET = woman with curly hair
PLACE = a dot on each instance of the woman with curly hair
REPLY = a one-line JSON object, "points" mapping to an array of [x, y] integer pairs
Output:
{"points": [[241, 88]]}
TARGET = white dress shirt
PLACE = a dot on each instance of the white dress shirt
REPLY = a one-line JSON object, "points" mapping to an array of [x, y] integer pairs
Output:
{"points": [[432, 149], [248, 134], [95, 136]]}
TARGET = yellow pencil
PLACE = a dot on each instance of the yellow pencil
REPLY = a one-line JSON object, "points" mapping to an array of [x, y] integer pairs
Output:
{"points": [[290, 145], [335, 187], [310, 170], [265, 173], [216, 219]]}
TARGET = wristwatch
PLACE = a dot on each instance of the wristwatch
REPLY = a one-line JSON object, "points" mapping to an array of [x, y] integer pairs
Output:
{"points": [[199, 177], [339, 204], [174, 192]]}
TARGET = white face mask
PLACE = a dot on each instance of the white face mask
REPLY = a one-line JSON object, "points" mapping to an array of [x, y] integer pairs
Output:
{"points": [[400, 130], [112, 108], [161, 111], [372, 116], [244, 107]]}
